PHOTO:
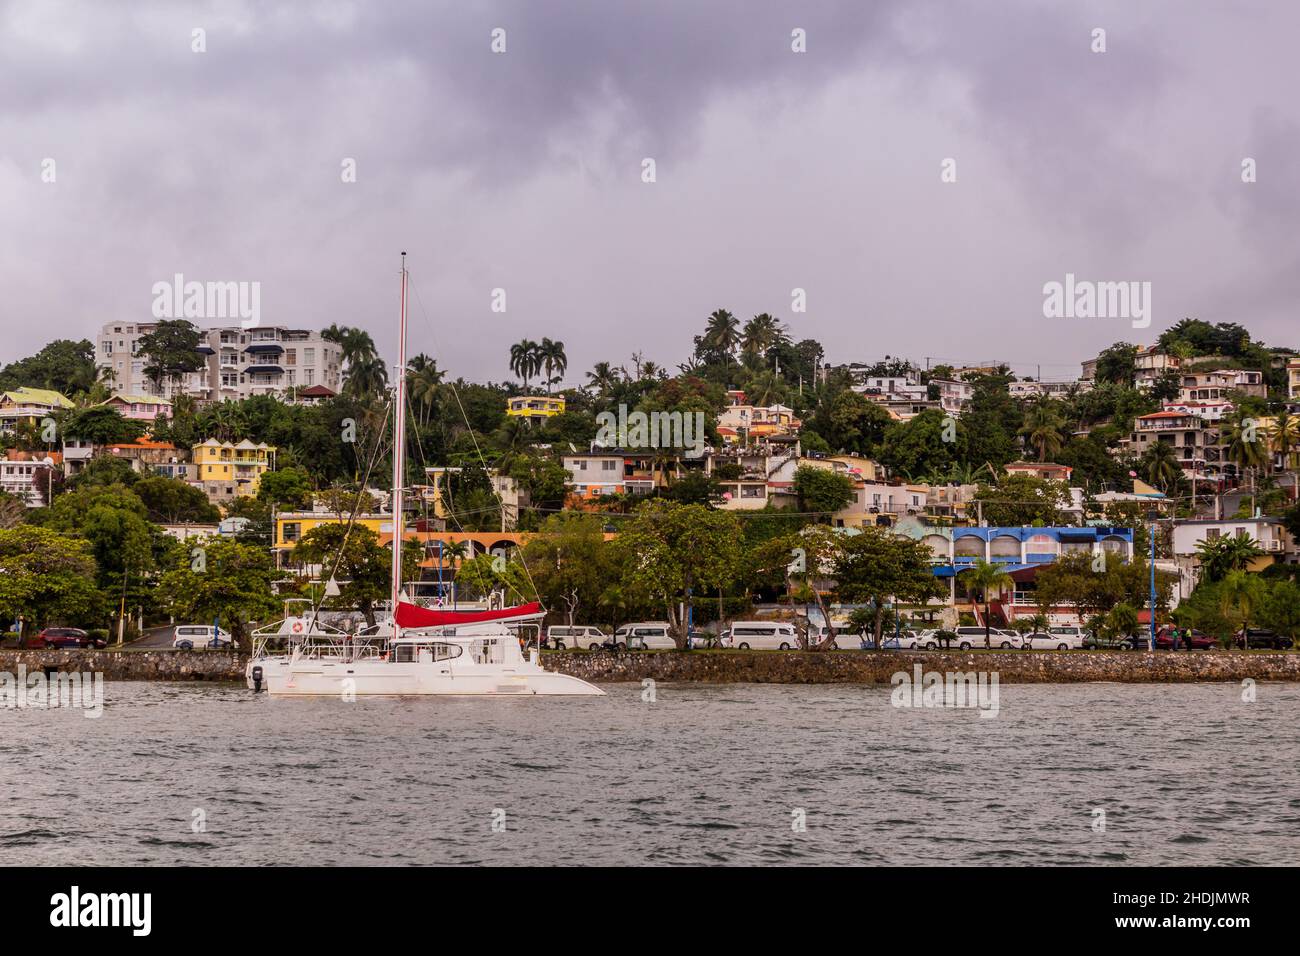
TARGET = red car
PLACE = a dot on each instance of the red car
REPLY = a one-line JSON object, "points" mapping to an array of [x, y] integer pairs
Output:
{"points": [[61, 637], [1200, 640]]}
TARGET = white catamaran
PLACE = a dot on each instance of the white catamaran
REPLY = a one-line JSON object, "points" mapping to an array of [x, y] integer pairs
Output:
{"points": [[419, 651]]}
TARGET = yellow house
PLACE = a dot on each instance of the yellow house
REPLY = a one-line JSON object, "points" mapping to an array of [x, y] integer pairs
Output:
{"points": [[535, 406], [29, 406], [242, 464]]}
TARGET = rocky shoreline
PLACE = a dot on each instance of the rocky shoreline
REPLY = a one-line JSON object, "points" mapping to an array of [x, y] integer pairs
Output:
{"points": [[758, 667]]}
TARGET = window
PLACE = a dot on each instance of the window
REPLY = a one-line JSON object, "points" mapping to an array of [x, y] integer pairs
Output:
{"points": [[290, 356], [308, 356], [608, 465], [292, 531]]}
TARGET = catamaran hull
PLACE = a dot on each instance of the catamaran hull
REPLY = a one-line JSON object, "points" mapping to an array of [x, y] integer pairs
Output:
{"points": [[282, 678]]}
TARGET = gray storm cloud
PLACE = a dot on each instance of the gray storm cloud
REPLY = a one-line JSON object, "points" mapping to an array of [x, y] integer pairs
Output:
{"points": [[775, 170]]}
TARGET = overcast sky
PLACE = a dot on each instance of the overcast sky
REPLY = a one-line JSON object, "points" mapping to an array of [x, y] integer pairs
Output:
{"points": [[775, 170]]}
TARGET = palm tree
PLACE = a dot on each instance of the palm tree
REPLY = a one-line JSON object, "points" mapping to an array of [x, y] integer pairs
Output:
{"points": [[603, 377], [1162, 465], [721, 334], [1220, 557], [988, 577], [1283, 433], [1042, 429], [365, 377], [1243, 445], [424, 383], [525, 360], [552, 358], [761, 333], [1240, 591]]}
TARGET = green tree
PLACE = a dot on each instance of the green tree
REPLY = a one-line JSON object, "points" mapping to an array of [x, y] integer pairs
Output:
{"points": [[570, 562], [877, 566], [1044, 429], [671, 551], [170, 501], [48, 578], [170, 351], [1023, 500], [1240, 594], [101, 425], [525, 359], [821, 490], [1219, 557], [232, 583], [358, 563], [988, 577], [65, 366], [853, 423]]}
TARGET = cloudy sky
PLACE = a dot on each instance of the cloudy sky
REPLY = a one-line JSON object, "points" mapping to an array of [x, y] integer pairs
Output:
{"points": [[774, 170]]}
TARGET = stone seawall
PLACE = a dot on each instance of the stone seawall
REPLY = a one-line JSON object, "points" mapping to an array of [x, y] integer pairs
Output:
{"points": [[877, 667], [756, 667], [132, 665]]}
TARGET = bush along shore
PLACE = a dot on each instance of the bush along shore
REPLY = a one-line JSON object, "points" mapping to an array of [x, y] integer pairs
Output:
{"points": [[758, 667]]}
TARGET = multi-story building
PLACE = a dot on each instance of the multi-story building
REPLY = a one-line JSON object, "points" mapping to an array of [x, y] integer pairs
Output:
{"points": [[237, 363], [226, 471], [28, 407], [143, 408], [1195, 441], [1273, 539], [1293, 379], [595, 474], [1216, 385], [1047, 389], [1046, 470], [954, 396], [21, 473], [742, 421], [1150, 364], [535, 407]]}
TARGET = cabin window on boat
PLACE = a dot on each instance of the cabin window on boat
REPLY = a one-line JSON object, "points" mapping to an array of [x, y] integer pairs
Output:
{"points": [[409, 653]]}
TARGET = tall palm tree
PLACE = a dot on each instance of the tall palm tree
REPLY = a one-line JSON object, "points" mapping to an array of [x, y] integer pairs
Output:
{"points": [[552, 358], [1242, 441], [988, 577], [365, 377], [1240, 592], [603, 377], [424, 384], [1162, 466], [1043, 429], [721, 334], [1283, 433], [525, 360], [761, 333]]}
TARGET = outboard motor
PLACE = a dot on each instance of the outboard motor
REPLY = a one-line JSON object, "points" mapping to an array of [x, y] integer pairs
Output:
{"points": [[257, 678]]}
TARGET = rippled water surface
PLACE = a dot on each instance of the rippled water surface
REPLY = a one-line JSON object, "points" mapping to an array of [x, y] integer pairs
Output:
{"points": [[1186, 774]]}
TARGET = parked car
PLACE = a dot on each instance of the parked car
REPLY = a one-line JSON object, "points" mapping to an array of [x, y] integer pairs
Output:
{"points": [[645, 636], [562, 637], [62, 637], [1061, 638], [1165, 640], [928, 639], [761, 636], [1104, 642], [1263, 638], [186, 637], [973, 636]]}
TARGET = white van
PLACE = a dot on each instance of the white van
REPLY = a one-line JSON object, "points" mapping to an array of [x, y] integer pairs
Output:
{"points": [[186, 637], [1062, 638], [562, 637], [761, 636], [644, 636]]}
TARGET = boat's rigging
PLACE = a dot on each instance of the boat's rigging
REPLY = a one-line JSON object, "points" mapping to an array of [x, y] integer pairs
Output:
{"points": [[356, 507], [473, 438]]}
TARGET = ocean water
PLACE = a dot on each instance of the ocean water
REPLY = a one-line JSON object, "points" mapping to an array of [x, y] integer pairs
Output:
{"points": [[204, 774]]}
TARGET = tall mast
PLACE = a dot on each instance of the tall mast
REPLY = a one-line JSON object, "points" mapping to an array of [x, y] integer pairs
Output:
{"points": [[399, 453]]}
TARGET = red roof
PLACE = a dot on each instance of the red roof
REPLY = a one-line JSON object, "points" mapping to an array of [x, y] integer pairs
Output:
{"points": [[316, 391]]}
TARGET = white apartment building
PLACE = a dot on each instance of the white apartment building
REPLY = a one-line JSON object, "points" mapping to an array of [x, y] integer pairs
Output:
{"points": [[954, 396], [1047, 389], [239, 363], [18, 478]]}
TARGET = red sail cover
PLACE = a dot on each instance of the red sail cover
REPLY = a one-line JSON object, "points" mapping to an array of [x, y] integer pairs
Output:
{"points": [[412, 615]]}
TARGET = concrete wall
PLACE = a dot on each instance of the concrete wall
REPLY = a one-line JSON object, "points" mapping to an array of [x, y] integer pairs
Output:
{"points": [[760, 667]]}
